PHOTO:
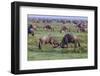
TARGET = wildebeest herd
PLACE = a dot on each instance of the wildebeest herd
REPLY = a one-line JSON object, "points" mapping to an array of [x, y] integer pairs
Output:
{"points": [[62, 34]]}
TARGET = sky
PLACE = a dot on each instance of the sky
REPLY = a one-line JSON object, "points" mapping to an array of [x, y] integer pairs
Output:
{"points": [[58, 17]]}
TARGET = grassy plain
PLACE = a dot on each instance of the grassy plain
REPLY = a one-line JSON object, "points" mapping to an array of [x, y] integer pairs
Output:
{"points": [[48, 52]]}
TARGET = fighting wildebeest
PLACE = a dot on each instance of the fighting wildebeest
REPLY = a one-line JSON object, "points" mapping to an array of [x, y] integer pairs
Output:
{"points": [[70, 38], [48, 28], [63, 29], [48, 40], [31, 29]]}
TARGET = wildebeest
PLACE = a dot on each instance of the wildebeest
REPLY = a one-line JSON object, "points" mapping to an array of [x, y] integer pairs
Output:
{"points": [[63, 29], [48, 28], [70, 38], [48, 40], [76, 22], [81, 27], [31, 29]]}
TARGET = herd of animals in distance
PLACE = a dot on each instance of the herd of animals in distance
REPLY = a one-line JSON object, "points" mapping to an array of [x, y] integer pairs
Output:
{"points": [[47, 33]]}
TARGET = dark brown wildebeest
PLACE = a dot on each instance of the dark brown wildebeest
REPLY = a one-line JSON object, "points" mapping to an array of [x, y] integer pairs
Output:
{"points": [[48, 40], [63, 29], [31, 29], [48, 28], [70, 38]]}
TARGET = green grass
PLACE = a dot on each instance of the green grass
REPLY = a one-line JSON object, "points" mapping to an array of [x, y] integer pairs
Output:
{"points": [[48, 52], [54, 55]]}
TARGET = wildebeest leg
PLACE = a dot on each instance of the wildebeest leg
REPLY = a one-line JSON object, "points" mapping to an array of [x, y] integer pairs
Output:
{"points": [[67, 45], [40, 44], [32, 33], [75, 44], [78, 43], [66, 42], [62, 45]]}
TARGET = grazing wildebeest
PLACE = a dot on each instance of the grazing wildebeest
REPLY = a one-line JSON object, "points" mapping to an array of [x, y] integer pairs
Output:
{"points": [[76, 22], [31, 29], [63, 29], [34, 26], [48, 28], [70, 38], [48, 40], [81, 27]]}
